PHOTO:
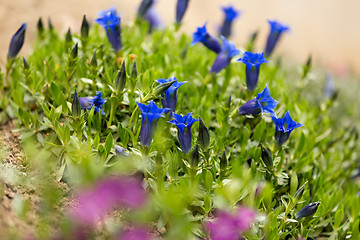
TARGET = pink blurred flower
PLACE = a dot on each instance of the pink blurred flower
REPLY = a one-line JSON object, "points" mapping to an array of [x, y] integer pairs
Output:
{"points": [[93, 203], [229, 226], [135, 234]]}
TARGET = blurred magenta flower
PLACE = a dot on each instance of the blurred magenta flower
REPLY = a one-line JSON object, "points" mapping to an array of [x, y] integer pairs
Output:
{"points": [[223, 59], [17, 41], [170, 96], [110, 20], [89, 102], [135, 234], [145, 5], [262, 103], [93, 203], [276, 30], [181, 8], [252, 62], [284, 126], [227, 226], [230, 15], [150, 115], [184, 123], [201, 35]]}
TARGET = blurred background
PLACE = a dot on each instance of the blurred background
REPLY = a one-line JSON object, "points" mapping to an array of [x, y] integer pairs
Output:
{"points": [[327, 29]]}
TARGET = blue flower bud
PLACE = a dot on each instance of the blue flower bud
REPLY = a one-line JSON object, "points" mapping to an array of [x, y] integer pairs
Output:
{"points": [[262, 103], [150, 115], [111, 23], [84, 30], [284, 126], [17, 42], [230, 15], [184, 123], [170, 96], [181, 7], [223, 59], [204, 134], [276, 30], [201, 35], [252, 62], [144, 7], [96, 102], [308, 210], [120, 151]]}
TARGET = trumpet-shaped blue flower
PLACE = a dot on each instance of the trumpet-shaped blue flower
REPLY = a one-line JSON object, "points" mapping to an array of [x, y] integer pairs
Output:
{"points": [[308, 210], [276, 30], [262, 103], [111, 22], [184, 123], [202, 35], [153, 18], [223, 59], [144, 7], [230, 15], [170, 97], [252, 62], [96, 102], [150, 116], [284, 127], [17, 41], [181, 7]]}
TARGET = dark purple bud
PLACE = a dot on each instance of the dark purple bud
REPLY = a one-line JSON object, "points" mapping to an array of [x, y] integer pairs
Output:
{"points": [[181, 7], [76, 106], [204, 134], [17, 41], [120, 80], [266, 156], [308, 210], [85, 26]]}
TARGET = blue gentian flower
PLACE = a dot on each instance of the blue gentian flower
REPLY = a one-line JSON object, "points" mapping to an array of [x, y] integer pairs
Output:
{"points": [[111, 22], [120, 151], [170, 97], [181, 7], [144, 7], [276, 29], [150, 116], [89, 102], [284, 127], [184, 123], [262, 103], [308, 210], [252, 62], [153, 17], [17, 41], [329, 87], [201, 35], [230, 15], [223, 59]]}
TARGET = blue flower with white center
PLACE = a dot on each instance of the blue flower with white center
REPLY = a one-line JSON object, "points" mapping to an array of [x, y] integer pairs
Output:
{"points": [[223, 59], [17, 41], [262, 103], [170, 96], [230, 15], [252, 62], [96, 102], [184, 123], [276, 30], [181, 7], [284, 126], [150, 116], [202, 35], [111, 22], [144, 7]]}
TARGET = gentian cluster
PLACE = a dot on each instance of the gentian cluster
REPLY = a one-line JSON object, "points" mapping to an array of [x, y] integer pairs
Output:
{"points": [[184, 123], [111, 23], [230, 15], [181, 7], [223, 59], [284, 126], [201, 35], [262, 103], [17, 41], [229, 226], [96, 101], [276, 30], [252, 62], [150, 116], [169, 98]]}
